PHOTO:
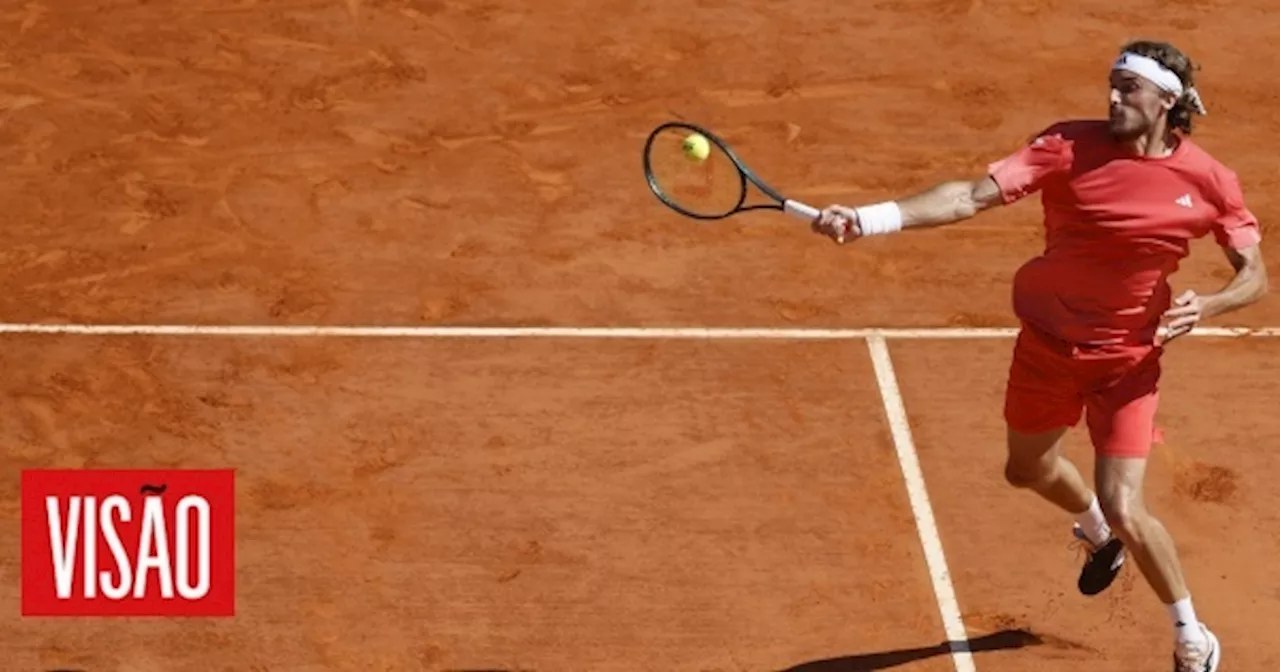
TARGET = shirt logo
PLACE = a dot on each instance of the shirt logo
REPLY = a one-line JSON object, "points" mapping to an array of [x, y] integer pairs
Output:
{"points": [[128, 542], [1184, 200]]}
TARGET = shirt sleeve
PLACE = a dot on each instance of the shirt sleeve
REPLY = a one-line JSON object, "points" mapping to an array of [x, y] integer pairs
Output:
{"points": [[1025, 171], [1235, 226]]}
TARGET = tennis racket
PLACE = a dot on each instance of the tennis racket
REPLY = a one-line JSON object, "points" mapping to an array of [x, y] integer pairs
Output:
{"points": [[711, 188]]}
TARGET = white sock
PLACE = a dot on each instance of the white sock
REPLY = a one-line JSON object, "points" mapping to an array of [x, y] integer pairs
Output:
{"points": [[1184, 621], [1094, 524]]}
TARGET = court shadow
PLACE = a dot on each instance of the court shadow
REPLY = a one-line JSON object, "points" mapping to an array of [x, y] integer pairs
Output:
{"points": [[996, 641]]}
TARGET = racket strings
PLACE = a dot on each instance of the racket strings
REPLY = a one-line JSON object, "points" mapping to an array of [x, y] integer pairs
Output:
{"points": [[709, 187]]}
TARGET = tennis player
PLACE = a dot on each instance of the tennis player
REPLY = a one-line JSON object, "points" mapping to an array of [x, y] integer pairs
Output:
{"points": [[1122, 199]]}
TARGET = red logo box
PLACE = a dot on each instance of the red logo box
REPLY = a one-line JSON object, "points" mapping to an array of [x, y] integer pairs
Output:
{"points": [[150, 542]]}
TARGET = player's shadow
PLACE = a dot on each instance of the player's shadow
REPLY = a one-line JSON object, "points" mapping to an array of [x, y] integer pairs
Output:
{"points": [[996, 641], [868, 662]]}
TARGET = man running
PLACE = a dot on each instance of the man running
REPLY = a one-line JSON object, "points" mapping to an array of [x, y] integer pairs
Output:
{"points": [[1122, 198]]}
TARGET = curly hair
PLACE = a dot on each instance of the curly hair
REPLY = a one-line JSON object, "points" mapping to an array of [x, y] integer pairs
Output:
{"points": [[1189, 104]]}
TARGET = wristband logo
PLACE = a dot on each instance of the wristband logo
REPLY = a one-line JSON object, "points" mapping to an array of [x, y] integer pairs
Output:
{"points": [[128, 543]]}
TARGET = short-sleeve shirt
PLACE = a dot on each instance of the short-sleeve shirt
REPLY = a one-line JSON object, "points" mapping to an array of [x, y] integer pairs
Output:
{"points": [[1116, 226]]}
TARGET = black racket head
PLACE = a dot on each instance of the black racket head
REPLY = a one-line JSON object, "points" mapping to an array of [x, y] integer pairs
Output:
{"points": [[710, 188]]}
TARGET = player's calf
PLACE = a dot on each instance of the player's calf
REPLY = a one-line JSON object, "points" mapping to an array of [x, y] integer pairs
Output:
{"points": [[1147, 542], [1119, 495]]}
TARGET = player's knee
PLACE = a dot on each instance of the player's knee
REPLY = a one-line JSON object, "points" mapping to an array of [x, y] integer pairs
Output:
{"points": [[1120, 497], [1123, 513], [1032, 458], [1027, 473]]}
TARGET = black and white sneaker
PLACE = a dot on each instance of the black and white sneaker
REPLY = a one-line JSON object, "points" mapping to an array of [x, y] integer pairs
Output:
{"points": [[1102, 564]]}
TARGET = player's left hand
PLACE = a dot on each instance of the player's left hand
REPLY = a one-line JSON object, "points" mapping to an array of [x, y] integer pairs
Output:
{"points": [[1185, 314]]}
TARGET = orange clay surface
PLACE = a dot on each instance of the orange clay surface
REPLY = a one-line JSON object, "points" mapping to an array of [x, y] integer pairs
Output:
{"points": [[591, 505]]}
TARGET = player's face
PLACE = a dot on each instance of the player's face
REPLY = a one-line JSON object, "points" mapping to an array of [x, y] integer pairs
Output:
{"points": [[1137, 105]]}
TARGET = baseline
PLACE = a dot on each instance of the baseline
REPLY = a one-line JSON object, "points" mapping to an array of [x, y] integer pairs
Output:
{"points": [[774, 333]]}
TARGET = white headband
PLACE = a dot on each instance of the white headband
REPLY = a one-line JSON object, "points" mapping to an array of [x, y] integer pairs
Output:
{"points": [[1152, 70], [1161, 76]]}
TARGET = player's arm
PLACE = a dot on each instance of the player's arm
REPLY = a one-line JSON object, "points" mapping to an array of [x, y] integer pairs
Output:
{"points": [[1238, 234], [949, 203], [1007, 181], [942, 204], [1248, 285]]}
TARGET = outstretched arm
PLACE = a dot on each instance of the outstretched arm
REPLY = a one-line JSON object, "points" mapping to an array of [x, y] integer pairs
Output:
{"points": [[949, 203], [1017, 175], [945, 203]]}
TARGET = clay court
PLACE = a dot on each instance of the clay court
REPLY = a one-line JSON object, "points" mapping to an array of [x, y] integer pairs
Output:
{"points": [[459, 497]]}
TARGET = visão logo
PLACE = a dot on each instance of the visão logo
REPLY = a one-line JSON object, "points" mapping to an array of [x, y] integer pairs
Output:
{"points": [[128, 542]]}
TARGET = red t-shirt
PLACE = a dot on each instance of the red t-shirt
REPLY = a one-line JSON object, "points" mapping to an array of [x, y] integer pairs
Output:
{"points": [[1116, 226]]}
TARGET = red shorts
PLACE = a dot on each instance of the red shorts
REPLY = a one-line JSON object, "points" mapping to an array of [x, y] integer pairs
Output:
{"points": [[1116, 388]]}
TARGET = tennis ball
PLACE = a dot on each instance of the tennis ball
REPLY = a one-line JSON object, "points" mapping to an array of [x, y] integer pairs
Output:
{"points": [[696, 147]]}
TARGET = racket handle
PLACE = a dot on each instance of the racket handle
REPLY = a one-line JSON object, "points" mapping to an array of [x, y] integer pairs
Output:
{"points": [[798, 209]]}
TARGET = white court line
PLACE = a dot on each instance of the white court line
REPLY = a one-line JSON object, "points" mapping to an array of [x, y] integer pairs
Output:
{"points": [[943, 590], [560, 332]]}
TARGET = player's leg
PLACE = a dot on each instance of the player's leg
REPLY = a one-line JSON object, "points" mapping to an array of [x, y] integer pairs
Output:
{"points": [[1122, 423], [1041, 404], [1035, 462], [1153, 550]]}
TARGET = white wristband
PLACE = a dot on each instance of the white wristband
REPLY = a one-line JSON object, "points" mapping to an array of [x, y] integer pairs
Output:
{"points": [[879, 219]]}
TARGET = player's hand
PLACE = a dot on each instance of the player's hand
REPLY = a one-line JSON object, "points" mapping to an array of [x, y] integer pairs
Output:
{"points": [[1183, 316], [838, 223]]}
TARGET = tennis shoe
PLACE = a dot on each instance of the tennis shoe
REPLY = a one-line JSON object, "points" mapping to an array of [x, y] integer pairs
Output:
{"points": [[1202, 656], [1102, 564]]}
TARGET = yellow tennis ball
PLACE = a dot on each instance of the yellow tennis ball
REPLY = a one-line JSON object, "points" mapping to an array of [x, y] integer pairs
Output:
{"points": [[696, 147]]}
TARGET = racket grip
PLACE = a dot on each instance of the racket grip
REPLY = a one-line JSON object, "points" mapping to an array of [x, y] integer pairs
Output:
{"points": [[798, 209]]}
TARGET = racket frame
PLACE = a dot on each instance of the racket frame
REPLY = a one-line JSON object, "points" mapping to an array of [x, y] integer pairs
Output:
{"points": [[745, 174]]}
